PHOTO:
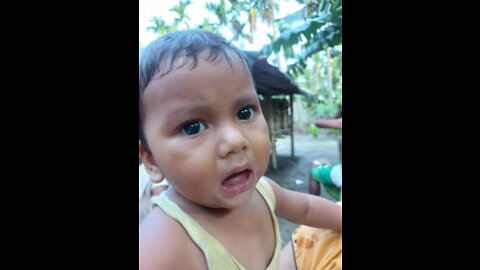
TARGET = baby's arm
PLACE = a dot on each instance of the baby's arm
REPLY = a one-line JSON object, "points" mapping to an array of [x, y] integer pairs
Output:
{"points": [[307, 209], [329, 122]]}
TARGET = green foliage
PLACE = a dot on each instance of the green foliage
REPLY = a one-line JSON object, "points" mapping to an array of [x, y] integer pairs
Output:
{"points": [[219, 10], [160, 27], [319, 27], [315, 80], [314, 130]]}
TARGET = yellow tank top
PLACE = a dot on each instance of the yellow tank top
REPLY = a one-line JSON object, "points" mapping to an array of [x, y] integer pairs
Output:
{"points": [[217, 256]]}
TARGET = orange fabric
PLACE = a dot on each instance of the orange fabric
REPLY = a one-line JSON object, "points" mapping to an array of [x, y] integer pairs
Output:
{"points": [[317, 249]]}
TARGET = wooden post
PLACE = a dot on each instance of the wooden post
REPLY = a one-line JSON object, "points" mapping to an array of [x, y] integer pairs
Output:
{"points": [[291, 127], [269, 118]]}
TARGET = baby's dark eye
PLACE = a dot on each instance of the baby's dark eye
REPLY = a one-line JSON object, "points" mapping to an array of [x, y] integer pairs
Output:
{"points": [[192, 128], [246, 113]]}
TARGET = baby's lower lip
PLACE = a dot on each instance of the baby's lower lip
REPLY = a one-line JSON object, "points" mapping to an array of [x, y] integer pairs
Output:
{"points": [[238, 183]]}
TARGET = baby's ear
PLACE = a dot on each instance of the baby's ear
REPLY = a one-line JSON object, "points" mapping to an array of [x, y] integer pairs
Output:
{"points": [[152, 169]]}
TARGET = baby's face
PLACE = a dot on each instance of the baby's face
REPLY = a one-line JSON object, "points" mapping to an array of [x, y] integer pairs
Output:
{"points": [[207, 133]]}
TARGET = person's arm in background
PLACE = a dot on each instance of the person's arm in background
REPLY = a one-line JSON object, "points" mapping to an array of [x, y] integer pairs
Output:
{"points": [[329, 123]]}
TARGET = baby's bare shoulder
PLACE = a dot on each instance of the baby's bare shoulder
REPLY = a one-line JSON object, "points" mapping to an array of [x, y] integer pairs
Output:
{"points": [[164, 244]]}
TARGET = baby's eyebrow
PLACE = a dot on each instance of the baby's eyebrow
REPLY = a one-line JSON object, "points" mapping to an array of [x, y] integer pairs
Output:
{"points": [[186, 113], [244, 99]]}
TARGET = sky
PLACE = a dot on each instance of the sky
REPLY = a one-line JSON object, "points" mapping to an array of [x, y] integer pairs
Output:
{"points": [[196, 11]]}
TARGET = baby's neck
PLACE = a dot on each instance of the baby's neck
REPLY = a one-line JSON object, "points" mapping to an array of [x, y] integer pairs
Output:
{"points": [[193, 208]]}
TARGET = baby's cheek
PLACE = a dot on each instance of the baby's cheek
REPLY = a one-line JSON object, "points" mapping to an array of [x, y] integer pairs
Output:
{"points": [[263, 147]]}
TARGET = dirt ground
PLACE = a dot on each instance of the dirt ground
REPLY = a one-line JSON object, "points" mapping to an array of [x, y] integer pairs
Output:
{"points": [[293, 173]]}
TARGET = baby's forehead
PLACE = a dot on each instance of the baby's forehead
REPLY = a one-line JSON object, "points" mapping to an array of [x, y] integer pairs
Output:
{"points": [[188, 69], [207, 56]]}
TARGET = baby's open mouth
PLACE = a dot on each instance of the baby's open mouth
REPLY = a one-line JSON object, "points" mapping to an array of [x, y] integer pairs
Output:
{"points": [[238, 182]]}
